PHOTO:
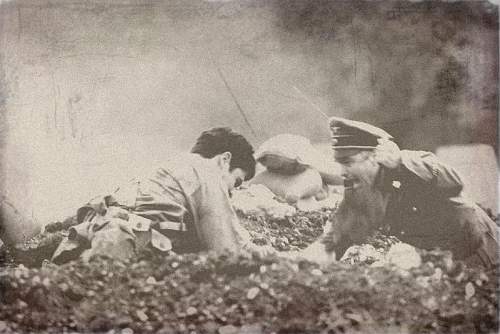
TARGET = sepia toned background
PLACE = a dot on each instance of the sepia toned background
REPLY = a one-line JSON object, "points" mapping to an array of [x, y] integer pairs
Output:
{"points": [[92, 92]]}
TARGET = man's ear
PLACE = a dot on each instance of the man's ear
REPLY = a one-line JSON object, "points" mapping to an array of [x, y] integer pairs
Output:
{"points": [[226, 157]]}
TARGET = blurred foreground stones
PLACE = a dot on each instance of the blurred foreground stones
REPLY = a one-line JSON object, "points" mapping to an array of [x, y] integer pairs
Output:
{"points": [[383, 286]]}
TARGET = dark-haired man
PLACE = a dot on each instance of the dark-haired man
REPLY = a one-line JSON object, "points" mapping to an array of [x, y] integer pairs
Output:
{"points": [[409, 193], [182, 207]]}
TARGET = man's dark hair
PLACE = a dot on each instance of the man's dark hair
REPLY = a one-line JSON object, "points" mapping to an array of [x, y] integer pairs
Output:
{"points": [[219, 140]]}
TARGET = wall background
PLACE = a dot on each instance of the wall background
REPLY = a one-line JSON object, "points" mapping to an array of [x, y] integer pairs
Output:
{"points": [[92, 91]]}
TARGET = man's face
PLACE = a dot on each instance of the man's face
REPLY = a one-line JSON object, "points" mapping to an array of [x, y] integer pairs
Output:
{"points": [[364, 205], [359, 169]]}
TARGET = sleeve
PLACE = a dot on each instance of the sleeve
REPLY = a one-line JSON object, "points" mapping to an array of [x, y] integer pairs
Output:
{"points": [[434, 173], [216, 222]]}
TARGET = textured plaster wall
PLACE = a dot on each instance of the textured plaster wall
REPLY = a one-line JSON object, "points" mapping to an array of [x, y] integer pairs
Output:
{"points": [[93, 91]]}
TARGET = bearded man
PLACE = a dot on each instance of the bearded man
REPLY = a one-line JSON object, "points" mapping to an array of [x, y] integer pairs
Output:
{"points": [[409, 194]]}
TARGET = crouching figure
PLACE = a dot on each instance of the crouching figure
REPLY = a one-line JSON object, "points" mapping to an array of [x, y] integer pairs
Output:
{"points": [[183, 206], [408, 194]]}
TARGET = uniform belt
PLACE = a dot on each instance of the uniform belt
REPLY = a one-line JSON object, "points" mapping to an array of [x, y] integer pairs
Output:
{"points": [[143, 224], [168, 225]]}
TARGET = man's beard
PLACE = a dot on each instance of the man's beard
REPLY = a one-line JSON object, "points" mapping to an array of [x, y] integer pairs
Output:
{"points": [[361, 212]]}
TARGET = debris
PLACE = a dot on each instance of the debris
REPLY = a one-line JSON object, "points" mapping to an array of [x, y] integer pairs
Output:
{"points": [[404, 256], [355, 317], [141, 315], [469, 291], [251, 329], [361, 254], [253, 292], [191, 311], [431, 303], [316, 272], [229, 329], [46, 282]]}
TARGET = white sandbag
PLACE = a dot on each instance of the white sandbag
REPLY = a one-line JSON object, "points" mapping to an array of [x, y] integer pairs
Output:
{"points": [[292, 154], [291, 187], [285, 153]]}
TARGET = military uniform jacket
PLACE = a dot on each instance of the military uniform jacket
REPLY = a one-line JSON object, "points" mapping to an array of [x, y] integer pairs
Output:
{"points": [[426, 209]]}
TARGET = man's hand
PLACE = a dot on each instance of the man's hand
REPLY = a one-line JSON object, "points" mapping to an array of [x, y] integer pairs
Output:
{"points": [[387, 154]]}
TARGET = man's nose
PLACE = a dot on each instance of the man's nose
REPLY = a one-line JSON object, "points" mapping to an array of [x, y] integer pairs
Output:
{"points": [[344, 171]]}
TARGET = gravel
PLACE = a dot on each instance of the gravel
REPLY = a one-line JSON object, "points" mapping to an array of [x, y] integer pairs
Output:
{"points": [[227, 293]]}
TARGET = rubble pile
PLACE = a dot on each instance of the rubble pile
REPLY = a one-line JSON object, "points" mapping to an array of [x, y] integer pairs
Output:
{"points": [[271, 221], [369, 291], [289, 233], [207, 293]]}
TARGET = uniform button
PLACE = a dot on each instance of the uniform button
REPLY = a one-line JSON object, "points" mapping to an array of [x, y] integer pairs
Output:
{"points": [[402, 232], [414, 209]]}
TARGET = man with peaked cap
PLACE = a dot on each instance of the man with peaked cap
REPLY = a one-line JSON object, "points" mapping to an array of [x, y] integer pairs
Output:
{"points": [[409, 194]]}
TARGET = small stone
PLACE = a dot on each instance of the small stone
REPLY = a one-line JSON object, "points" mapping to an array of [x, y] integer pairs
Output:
{"points": [[36, 280], [175, 264], [262, 269], [191, 311], [423, 281], [142, 316], [469, 291], [253, 292], [404, 256], [229, 329], [46, 282], [460, 277], [251, 329], [438, 274], [127, 331], [151, 280], [484, 277], [316, 272], [431, 304], [354, 317]]}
